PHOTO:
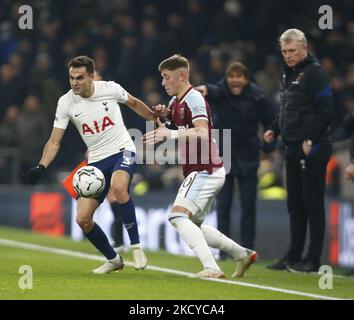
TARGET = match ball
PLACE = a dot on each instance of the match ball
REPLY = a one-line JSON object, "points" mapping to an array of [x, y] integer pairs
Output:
{"points": [[89, 182]]}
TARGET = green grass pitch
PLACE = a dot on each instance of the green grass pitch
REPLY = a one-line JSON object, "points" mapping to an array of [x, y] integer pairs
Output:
{"points": [[59, 276]]}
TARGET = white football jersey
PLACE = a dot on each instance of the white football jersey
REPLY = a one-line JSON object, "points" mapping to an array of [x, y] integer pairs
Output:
{"points": [[97, 118]]}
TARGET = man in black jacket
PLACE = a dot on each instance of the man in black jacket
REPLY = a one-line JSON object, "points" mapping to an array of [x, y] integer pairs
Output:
{"points": [[304, 120], [240, 105]]}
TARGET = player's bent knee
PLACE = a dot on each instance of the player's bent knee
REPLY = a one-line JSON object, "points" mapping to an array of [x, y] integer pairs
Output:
{"points": [[84, 223], [177, 208], [120, 193]]}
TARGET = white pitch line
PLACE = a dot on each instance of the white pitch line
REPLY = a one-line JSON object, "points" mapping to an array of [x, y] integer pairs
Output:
{"points": [[65, 252]]}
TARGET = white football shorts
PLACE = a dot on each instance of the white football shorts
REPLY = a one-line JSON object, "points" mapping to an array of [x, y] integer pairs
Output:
{"points": [[198, 191]]}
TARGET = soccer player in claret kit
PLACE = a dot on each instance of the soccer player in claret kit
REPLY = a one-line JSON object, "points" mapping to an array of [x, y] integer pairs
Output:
{"points": [[93, 109], [203, 179]]}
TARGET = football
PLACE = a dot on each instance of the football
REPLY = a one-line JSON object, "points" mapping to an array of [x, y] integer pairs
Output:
{"points": [[89, 182]]}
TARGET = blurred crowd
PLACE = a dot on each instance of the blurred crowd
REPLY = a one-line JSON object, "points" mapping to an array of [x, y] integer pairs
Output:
{"points": [[128, 38]]}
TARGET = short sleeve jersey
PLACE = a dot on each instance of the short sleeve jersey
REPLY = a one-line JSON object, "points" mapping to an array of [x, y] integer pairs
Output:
{"points": [[97, 118], [184, 112]]}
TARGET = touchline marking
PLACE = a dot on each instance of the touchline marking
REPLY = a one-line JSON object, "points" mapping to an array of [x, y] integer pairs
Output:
{"points": [[65, 252]]}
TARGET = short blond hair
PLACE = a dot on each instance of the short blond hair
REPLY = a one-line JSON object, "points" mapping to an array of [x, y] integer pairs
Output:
{"points": [[291, 35], [174, 62]]}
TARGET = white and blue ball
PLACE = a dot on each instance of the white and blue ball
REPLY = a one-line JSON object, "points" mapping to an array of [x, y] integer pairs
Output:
{"points": [[89, 182]]}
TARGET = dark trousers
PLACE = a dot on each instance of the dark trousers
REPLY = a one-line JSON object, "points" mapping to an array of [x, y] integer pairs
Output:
{"points": [[248, 193], [305, 183]]}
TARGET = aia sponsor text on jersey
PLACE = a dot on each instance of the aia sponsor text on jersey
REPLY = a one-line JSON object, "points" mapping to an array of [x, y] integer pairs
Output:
{"points": [[95, 127]]}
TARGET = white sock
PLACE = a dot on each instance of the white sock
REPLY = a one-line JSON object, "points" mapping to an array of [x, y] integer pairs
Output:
{"points": [[216, 239], [193, 236]]}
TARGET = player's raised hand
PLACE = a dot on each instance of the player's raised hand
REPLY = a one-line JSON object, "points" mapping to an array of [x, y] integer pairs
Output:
{"points": [[202, 89], [35, 174], [158, 134], [268, 136], [161, 110]]}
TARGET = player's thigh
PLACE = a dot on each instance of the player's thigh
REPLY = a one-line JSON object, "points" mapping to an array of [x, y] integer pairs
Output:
{"points": [[86, 208], [197, 193]]}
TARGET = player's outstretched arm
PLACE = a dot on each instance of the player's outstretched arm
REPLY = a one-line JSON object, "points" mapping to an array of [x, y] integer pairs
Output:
{"points": [[200, 131], [140, 108], [49, 152]]}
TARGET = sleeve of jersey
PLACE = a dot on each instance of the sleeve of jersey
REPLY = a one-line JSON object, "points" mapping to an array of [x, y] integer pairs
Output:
{"points": [[197, 106], [61, 120], [118, 92]]}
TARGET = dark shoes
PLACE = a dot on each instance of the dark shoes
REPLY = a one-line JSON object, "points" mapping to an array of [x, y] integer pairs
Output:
{"points": [[283, 264], [305, 265]]}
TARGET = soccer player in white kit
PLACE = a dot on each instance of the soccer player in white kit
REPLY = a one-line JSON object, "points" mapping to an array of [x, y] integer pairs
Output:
{"points": [[93, 109], [203, 169]]}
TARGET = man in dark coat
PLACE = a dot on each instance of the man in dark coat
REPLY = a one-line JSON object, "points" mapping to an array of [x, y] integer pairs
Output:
{"points": [[240, 105], [304, 120]]}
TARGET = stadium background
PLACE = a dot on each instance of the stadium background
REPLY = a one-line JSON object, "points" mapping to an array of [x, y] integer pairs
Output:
{"points": [[127, 39]]}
